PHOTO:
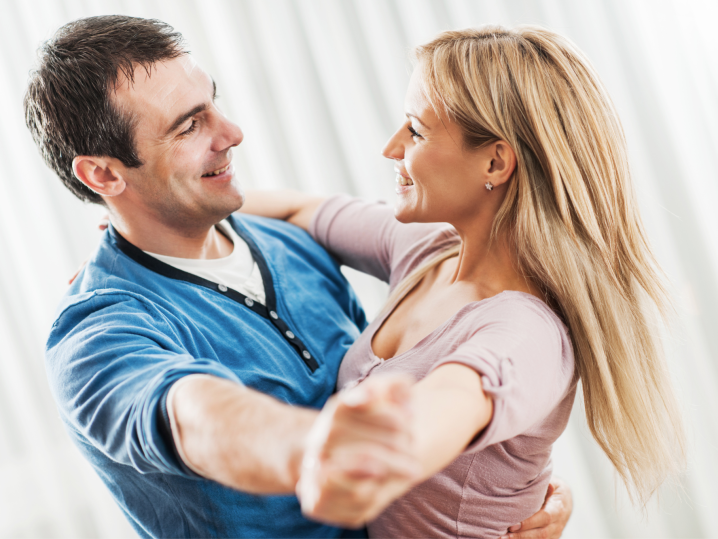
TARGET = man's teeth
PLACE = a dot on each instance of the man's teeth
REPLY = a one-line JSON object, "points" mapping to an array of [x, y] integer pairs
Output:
{"points": [[401, 180], [218, 171]]}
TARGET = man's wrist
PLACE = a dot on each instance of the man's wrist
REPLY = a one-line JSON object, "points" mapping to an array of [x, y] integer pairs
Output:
{"points": [[304, 423]]}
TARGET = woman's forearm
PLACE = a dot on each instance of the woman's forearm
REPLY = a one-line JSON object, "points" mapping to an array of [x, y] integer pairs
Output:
{"points": [[288, 205], [450, 409]]}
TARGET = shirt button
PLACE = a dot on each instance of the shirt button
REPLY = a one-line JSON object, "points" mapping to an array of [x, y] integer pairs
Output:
{"points": [[222, 288], [273, 315], [289, 334], [307, 355], [249, 302]]}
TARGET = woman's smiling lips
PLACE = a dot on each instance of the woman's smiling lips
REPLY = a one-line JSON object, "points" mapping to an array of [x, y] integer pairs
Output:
{"points": [[403, 182]]}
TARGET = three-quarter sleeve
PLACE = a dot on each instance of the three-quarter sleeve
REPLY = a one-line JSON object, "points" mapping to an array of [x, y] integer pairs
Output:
{"points": [[366, 236], [525, 361], [111, 361]]}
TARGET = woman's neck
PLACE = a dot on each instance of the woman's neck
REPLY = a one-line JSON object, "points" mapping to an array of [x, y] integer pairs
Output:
{"points": [[490, 264]]}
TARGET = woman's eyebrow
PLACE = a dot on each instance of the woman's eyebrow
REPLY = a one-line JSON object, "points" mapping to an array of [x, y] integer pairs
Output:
{"points": [[410, 115]]}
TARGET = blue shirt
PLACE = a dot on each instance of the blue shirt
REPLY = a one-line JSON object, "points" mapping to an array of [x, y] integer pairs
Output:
{"points": [[131, 325]]}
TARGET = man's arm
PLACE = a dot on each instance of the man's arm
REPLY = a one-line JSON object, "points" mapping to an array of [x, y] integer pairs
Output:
{"points": [[237, 436], [252, 442]]}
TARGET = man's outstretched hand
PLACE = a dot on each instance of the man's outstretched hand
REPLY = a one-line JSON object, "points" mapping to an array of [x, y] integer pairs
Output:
{"points": [[551, 519], [359, 454]]}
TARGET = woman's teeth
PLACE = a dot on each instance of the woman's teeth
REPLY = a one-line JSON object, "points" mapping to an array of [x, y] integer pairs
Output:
{"points": [[218, 171], [401, 180]]}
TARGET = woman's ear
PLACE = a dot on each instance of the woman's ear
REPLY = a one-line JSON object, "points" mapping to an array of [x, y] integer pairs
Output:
{"points": [[99, 174], [502, 162]]}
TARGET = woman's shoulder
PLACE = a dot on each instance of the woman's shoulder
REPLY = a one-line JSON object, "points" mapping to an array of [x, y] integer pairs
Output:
{"points": [[515, 321], [520, 307]]}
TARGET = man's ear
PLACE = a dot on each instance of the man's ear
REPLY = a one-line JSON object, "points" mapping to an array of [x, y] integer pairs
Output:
{"points": [[99, 174], [502, 162]]}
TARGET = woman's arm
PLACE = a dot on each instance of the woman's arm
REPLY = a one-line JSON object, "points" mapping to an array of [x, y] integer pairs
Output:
{"points": [[450, 409], [288, 205]]}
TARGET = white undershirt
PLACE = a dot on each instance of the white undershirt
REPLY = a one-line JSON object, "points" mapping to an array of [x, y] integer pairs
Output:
{"points": [[238, 271]]}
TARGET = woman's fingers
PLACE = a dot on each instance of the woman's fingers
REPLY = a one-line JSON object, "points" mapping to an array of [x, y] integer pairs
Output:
{"points": [[72, 279]]}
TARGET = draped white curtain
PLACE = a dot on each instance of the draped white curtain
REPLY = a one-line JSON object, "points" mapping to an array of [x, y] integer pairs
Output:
{"points": [[318, 86]]}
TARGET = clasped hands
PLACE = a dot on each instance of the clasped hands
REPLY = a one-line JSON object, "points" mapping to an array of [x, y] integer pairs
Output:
{"points": [[360, 453]]}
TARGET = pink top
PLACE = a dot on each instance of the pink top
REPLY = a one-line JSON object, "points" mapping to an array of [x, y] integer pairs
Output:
{"points": [[513, 340]]}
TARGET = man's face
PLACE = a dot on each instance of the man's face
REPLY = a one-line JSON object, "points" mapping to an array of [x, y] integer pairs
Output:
{"points": [[184, 141]]}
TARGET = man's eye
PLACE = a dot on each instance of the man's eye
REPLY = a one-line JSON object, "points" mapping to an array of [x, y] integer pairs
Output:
{"points": [[190, 128], [413, 131]]}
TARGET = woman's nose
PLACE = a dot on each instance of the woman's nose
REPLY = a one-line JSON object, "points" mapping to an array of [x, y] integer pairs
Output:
{"points": [[394, 148]]}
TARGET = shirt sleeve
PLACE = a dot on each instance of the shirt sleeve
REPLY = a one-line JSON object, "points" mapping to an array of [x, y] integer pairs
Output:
{"points": [[111, 360], [366, 236], [526, 366]]}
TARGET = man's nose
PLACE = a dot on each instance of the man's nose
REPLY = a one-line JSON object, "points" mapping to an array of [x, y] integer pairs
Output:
{"points": [[229, 134], [394, 148]]}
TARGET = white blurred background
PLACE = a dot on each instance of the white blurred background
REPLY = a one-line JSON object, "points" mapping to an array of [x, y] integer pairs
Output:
{"points": [[318, 86]]}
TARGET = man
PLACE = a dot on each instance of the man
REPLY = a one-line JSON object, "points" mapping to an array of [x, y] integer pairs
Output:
{"points": [[189, 355]]}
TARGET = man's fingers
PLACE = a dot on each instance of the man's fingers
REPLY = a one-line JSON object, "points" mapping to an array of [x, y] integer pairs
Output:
{"points": [[394, 388], [549, 492], [387, 416], [540, 533], [379, 463], [539, 520]]}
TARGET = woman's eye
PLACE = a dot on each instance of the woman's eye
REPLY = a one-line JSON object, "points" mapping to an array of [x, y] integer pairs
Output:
{"points": [[190, 128], [413, 131]]}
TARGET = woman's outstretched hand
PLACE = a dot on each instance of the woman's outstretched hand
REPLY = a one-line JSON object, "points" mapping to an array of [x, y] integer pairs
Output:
{"points": [[551, 519]]}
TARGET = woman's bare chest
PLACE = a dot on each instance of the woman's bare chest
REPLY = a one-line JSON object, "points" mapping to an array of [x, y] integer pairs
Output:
{"points": [[417, 316]]}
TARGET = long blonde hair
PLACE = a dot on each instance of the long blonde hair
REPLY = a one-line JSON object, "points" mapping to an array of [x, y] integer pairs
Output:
{"points": [[571, 215]]}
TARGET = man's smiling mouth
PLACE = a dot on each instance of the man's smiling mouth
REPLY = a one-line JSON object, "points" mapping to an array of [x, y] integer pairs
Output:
{"points": [[216, 172]]}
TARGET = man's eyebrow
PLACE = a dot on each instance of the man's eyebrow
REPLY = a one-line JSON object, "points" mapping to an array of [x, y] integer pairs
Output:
{"points": [[182, 118]]}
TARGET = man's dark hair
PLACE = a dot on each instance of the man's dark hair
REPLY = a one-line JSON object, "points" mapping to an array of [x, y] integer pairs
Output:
{"points": [[67, 105]]}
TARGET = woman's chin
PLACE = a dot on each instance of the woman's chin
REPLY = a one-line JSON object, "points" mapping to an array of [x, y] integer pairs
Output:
{"points": [[403, 213]]}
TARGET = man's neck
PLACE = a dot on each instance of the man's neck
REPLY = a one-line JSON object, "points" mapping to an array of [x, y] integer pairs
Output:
{"points": [[200, 242]]}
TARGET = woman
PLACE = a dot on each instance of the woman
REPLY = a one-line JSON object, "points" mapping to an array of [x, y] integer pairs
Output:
{"points": [[543, 276]]}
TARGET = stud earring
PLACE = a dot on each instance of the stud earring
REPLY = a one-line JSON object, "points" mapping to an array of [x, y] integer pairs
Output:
{"points": [[489, 186]]}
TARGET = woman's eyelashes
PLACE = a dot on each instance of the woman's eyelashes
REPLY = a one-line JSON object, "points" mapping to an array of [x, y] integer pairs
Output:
{"points": [[413, 131]]}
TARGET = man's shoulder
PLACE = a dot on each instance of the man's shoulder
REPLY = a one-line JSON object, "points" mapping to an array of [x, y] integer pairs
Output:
{"points": [[106, 284]]}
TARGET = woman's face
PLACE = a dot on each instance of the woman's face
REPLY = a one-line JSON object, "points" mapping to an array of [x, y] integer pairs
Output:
{"points": [[438, 179]]}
